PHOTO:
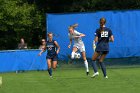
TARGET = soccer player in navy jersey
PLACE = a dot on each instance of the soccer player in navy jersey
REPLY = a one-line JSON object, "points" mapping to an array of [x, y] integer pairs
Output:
{"points": [[103, 36], [53, 49]]}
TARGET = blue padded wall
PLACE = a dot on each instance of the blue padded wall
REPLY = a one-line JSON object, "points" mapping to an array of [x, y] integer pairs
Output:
{"points": [[124, 25], [15, 60]]}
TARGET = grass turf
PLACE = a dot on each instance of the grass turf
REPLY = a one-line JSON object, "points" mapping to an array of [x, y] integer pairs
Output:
{"points": [[72, 81]]}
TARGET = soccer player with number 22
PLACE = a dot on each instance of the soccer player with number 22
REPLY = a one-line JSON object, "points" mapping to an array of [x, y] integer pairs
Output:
{"points": [[102, 37]]}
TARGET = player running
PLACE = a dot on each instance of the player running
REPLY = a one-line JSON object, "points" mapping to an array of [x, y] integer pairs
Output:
{"points": [[78, 44], [102, 36], [53, 49]]}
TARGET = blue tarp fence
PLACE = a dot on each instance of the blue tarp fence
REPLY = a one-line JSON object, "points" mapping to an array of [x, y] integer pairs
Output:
{"points": [[124, 25], [16, 60]]}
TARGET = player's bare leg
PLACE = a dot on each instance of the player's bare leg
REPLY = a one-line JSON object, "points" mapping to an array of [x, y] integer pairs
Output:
{"points": [[73, 52], [85, 62], [54, 64], [95, 55], [49, 67]]}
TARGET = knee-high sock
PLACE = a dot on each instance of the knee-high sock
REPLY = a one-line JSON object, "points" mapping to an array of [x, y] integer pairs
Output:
{"points": [[103, 68], [50, 71], [94, 66], [72, 55], [86, 65]]}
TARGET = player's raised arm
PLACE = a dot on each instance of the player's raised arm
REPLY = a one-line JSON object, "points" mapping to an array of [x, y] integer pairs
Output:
{"points": [[58, 47], [80, 35]]}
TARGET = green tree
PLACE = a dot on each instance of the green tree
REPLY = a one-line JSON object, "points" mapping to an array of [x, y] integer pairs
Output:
{"points": [[21, 18], [26, 18]]}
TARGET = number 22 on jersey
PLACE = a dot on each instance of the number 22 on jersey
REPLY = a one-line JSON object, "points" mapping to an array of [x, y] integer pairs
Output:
{"points": [[104, 34]]}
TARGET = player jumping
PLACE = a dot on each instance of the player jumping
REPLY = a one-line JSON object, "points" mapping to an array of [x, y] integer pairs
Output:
{"points": [[53, 49], [78, 44], [102, 36]]}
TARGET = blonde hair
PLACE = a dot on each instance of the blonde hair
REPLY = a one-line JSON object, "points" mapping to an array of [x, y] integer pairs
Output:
{"points": [[73, 26]]}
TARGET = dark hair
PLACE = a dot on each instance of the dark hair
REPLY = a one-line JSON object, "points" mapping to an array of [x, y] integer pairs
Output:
{"points": [[103, 19]]}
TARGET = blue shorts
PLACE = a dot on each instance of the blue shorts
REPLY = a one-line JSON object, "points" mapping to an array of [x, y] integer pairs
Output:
{"points": [[102, 52], [52, 57]]}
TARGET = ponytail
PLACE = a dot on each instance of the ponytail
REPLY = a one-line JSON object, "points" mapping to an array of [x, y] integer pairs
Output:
{"points": [[73, 26]]}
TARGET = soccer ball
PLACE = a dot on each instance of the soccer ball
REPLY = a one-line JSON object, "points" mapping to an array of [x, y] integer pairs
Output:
{"points": [[77, 55]]}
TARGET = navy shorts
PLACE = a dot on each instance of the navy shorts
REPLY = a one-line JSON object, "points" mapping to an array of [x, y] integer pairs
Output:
{"points": [[102, 52], [52, 57]]}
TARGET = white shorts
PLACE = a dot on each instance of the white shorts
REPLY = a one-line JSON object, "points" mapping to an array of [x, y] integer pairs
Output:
{"points": [[80, 47]]}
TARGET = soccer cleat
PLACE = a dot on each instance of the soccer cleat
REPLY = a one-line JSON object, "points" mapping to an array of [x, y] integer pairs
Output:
{"points": [[106, 77], [87, 73], [95, 74]]}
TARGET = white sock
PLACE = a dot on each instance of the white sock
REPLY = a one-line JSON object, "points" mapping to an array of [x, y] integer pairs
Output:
{"points": [[72, 55], [86, 65]]}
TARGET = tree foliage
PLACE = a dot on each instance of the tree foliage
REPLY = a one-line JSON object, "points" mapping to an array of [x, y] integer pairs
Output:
{"points": [[19, 18], [26, 18]]}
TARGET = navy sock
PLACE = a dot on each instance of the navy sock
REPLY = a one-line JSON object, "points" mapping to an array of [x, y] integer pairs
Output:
{"points": [[50, 71], [103, 68], [94, 66]]}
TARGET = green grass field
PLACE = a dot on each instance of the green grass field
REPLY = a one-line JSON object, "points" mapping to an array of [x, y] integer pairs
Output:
{"points": [[72, 81]]}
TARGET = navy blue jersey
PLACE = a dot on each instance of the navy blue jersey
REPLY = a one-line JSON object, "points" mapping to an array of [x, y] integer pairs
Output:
{"points": [[51, 48], [103, 39]]}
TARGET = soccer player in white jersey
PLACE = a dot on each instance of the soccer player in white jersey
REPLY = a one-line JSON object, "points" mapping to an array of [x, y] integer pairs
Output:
{"points": [[78, 44]]}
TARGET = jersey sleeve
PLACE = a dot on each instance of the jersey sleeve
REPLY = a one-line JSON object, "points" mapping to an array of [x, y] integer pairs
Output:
{"points": [[77, 33], [96, 33]]}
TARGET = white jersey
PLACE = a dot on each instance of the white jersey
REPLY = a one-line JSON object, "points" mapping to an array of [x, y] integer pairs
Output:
{"points": [[76, 40]]}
